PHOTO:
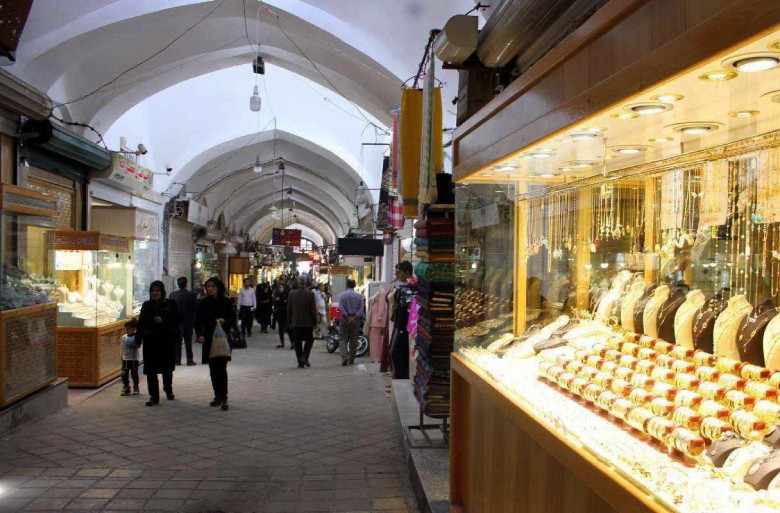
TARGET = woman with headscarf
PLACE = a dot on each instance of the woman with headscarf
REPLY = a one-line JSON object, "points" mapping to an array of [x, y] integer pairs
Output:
{"points": [[215, 310], [159, 327], [264, 306]]}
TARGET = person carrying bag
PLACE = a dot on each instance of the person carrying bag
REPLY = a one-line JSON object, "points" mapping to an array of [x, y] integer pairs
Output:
{"points": [[214, 318]]}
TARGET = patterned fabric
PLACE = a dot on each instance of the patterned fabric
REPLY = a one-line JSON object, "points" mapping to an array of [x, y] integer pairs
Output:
{"points": [[384, 196], [410, 135], [429, 165]]}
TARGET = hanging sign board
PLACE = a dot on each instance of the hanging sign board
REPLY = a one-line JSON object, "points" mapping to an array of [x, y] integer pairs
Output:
{"points": [[127, 174], [283, 237]]}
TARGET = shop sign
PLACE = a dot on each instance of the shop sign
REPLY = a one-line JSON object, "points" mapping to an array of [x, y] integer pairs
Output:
{"points": [[486, 216], [282, 237], [147, 225], [197, 214], [94, 241], [130, 174]]}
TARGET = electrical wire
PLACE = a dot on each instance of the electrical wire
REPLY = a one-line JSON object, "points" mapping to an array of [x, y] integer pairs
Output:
{"points": [[246, 31], [276, 19], [83, 125], [155, 54]]}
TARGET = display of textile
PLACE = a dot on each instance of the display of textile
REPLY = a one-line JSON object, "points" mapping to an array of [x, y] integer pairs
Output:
{"points": [[431, 144], [436, 314]]}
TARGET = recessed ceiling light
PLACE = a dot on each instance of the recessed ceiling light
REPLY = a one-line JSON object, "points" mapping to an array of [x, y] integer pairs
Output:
{"points": [[579, 164], [661, 139], [744, 113], [773, 96], [752, 62], [718, 75], [486, 173], [539, 154], [547, 175], [647, 109], [505, 168], [625, 114], [667, 98], [595, 129], [565, 169], [695, 127], [628, 150], [583, 136]]}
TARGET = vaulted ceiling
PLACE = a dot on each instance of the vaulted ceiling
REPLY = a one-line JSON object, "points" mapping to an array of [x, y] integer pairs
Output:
{"points": [[175, 75]]}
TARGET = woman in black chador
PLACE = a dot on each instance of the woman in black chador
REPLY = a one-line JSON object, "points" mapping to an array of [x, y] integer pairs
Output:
{"points": [[159, 327], [215, 309], [264, 306]]}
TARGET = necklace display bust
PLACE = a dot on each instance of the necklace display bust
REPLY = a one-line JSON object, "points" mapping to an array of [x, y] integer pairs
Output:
{"points": [[750, 338], [650, 315], [727, 326], [635, 291], [683, 319]]}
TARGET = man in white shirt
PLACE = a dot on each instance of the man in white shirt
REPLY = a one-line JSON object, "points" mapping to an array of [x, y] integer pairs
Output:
{"points": [[247, 302], [319, 302]]}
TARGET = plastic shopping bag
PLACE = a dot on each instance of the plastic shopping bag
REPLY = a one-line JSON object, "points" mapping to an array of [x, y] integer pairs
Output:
{"points": [[220, 347]]}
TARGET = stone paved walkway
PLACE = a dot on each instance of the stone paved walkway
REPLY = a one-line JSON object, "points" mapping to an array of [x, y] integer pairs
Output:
{"points": [[318, 439]]}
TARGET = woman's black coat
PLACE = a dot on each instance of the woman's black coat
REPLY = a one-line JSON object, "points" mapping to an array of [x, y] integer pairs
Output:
{"points": [[159, 339], [264, 305], [209, 310]]}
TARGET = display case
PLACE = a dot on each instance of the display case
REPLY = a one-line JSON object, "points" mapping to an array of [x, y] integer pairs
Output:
{"points": [[238, 269], [142, 228], [93, 275], [641, 369], [27, 314]]}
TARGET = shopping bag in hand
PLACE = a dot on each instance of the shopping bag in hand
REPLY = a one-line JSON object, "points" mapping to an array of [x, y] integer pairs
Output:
{"points": [[220, 347]]}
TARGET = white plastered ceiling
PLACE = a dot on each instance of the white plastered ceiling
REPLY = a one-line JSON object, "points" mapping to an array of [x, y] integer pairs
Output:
{"points": [[189, 104]]}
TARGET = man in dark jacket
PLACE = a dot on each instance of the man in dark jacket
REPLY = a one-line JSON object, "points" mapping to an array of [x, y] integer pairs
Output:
{"points": [[186, 301], [301, 318]]}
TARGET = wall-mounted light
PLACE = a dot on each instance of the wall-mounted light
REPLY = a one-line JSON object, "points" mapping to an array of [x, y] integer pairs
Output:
{"points": [[258, 167]]}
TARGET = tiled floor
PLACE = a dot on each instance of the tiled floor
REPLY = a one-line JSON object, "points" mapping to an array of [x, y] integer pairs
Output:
{"points": [[294, 440]]}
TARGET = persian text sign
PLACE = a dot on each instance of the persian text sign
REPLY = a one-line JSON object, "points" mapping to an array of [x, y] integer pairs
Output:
{"points": [[282, 237], [128, 173]]}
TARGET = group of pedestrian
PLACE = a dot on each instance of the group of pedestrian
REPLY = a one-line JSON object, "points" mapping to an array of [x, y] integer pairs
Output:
{"points": [[162, 324]]}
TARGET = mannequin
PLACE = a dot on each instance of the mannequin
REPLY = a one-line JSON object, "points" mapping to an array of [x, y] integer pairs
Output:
{"points": [[683, 319], [727, 326], [772, 344], [377, 322], [750, 337], [635, 291], [650, 315]]}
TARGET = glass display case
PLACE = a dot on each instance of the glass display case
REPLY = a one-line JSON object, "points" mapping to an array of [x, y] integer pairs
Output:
{"points": [[643, 361], [145, 265], [238, 269], [27, 315], [93, 275]]}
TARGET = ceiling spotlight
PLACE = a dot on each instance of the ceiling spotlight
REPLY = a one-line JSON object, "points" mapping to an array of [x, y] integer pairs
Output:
{"points": [[289, 191], [628, 150], [505, 168], [258, 167], [772, 96], [254, 101], [661, 139], [667, 98], [695, 127], [565, 169], [744, 113], [752, 62], [547, 175], [647, 109], [280, 166], [486, 173], [595, 129], [719, 75], [578, 164], [539, 154], [583, 136], [624, 114]]}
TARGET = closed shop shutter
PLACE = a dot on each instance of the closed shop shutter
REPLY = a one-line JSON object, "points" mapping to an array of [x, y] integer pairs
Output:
{"points": [[180, 249]]}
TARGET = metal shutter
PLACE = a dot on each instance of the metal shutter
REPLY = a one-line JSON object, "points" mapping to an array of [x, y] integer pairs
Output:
{"points": [[180, 252]]}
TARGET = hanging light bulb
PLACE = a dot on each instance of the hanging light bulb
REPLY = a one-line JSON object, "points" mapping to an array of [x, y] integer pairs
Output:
{"points": [[289, 191], [258, 168], [254, 101]]}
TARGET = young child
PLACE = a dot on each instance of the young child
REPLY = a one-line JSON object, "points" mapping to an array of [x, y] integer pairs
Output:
{"points": [[130, 357]]}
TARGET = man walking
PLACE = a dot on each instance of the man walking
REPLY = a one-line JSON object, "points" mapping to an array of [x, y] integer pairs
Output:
{"points": [[301, 316], [247, 302], [352, 306], [186, 301]]}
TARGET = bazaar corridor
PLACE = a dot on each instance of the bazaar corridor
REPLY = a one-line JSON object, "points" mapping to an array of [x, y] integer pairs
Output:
{"points": [[319, 439]]}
